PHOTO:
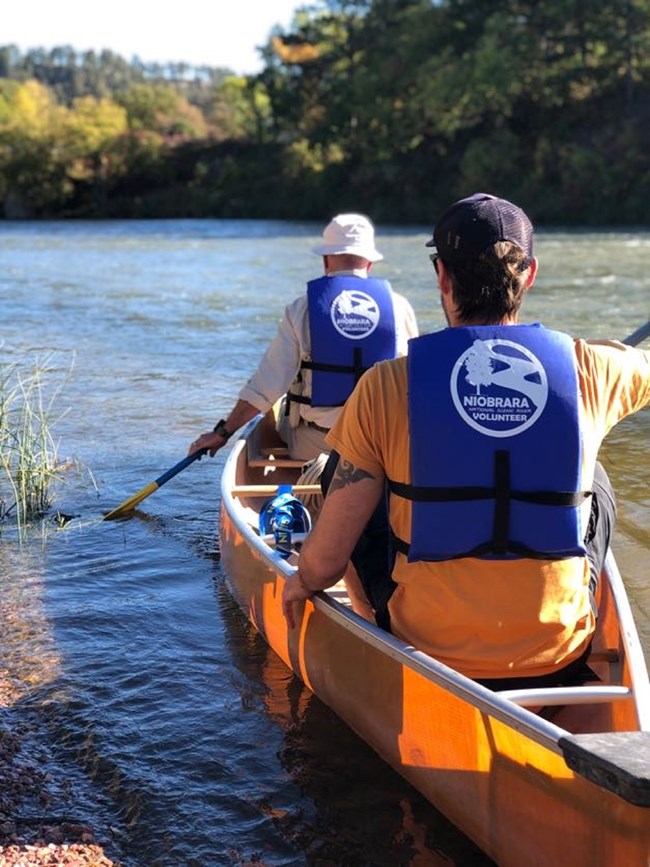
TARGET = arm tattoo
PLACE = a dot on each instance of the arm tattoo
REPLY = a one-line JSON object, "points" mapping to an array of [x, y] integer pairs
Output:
{"points": [[347, 474]]}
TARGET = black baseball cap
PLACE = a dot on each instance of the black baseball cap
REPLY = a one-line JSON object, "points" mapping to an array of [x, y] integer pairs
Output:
{"points": [[471, 225]]}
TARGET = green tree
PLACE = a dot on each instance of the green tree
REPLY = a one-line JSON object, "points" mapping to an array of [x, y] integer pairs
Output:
{"points": [[240, 109], [32, 165], [160, 108], [47, 148]]}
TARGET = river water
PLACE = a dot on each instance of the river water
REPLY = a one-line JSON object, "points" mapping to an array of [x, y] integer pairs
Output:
{"points": [[190, 741]]}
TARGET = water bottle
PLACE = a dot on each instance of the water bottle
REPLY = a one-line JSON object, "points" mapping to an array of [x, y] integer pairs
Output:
{"points": [[281, 527], [281, 517]]}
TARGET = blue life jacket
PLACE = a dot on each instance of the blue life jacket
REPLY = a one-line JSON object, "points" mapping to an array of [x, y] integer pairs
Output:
{"points": [[495, 445], [352, 326]]}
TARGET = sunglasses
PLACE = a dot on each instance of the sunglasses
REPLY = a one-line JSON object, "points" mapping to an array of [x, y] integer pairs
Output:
{"points": [[434, 260]]}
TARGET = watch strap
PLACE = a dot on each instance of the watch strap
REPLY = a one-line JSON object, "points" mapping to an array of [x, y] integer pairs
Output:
{"points": [[221, 429]]}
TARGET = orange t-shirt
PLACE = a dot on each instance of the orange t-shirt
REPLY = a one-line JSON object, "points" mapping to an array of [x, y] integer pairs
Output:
{"points": [[488, 618]]}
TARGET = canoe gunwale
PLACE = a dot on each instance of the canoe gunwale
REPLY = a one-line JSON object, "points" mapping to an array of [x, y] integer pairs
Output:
{"points": [[631, 642]]}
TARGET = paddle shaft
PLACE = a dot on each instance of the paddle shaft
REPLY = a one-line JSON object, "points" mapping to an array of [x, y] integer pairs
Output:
{"points": [[143, 493], [639, 335]]}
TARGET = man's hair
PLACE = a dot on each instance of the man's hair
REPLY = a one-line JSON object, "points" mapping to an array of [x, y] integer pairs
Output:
{"points": [[493, 286], [349, 262]]}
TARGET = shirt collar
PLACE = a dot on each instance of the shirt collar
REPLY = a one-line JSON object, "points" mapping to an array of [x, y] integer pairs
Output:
{"points": [[357, 272]]}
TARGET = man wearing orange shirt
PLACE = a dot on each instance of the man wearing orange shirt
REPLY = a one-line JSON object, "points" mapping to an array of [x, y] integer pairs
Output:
{"points": [[487, 436]]}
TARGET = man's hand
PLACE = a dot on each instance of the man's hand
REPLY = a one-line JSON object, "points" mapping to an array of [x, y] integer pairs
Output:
{"points": [[209, 441], [212, 441], [295, 590]]}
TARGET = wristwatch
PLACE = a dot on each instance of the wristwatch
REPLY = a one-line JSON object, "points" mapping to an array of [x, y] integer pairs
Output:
{"points": [[220, 428]]}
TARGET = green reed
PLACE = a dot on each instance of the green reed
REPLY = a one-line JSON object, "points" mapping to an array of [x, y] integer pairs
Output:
{"points": [[28, 451]]}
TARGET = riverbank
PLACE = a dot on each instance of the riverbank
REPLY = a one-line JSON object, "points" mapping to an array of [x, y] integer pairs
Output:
{"points": [[44, 807]]}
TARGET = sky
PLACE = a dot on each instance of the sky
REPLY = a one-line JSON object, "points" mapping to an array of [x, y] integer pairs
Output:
{"points": [[220, 33]]}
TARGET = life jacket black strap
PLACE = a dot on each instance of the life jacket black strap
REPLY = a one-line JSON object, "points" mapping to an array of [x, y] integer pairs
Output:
{"points": [[502, 494], [422, 494], [482, 550], [299, 398], [551, 498], [356, 368], [327, 368], [294, 398]]}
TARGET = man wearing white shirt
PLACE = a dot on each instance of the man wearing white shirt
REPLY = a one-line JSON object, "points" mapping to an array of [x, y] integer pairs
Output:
{"points": [[342, 325]]}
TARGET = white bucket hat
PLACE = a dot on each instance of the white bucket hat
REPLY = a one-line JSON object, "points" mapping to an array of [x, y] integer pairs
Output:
{"points": [[349, 233]]}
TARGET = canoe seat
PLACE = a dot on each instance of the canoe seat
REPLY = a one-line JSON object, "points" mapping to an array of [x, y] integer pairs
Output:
{"points": [[273, 460], [557, 695], [616, 761], [268, 451], [610, 654]]}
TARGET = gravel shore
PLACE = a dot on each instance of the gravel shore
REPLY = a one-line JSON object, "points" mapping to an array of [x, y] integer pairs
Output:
{"points": [[39, 799]]}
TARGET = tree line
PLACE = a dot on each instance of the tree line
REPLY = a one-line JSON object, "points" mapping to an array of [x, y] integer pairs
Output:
{"points": [[395, 107]]}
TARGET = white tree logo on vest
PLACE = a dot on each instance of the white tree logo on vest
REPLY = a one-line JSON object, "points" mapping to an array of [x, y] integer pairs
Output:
{"points": [[499, 387], [354, 314]]}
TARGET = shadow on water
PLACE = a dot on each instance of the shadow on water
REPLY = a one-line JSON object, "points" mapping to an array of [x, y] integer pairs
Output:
{"points": [[43, 788], [352, 807], [254, 770]]}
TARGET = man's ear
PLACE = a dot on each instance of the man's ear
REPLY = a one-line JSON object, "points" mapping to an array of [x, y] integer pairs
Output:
{"points": [[444, 281], [532, 272]]}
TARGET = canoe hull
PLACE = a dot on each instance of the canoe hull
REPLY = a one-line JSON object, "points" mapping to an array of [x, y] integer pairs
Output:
{"points": [[496, 770]]}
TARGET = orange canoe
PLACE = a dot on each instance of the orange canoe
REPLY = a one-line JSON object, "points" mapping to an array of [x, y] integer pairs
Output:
{"points": [[567, 786]]}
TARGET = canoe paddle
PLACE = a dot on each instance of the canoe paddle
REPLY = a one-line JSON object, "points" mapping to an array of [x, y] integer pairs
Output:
{"points": [[130, 504]]}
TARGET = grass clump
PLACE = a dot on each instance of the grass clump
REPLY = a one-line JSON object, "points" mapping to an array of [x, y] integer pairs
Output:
{"points": [[28, 452]]}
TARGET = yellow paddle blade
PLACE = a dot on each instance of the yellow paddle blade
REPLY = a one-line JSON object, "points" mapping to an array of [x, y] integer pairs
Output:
{"points": [[130, 504]]}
